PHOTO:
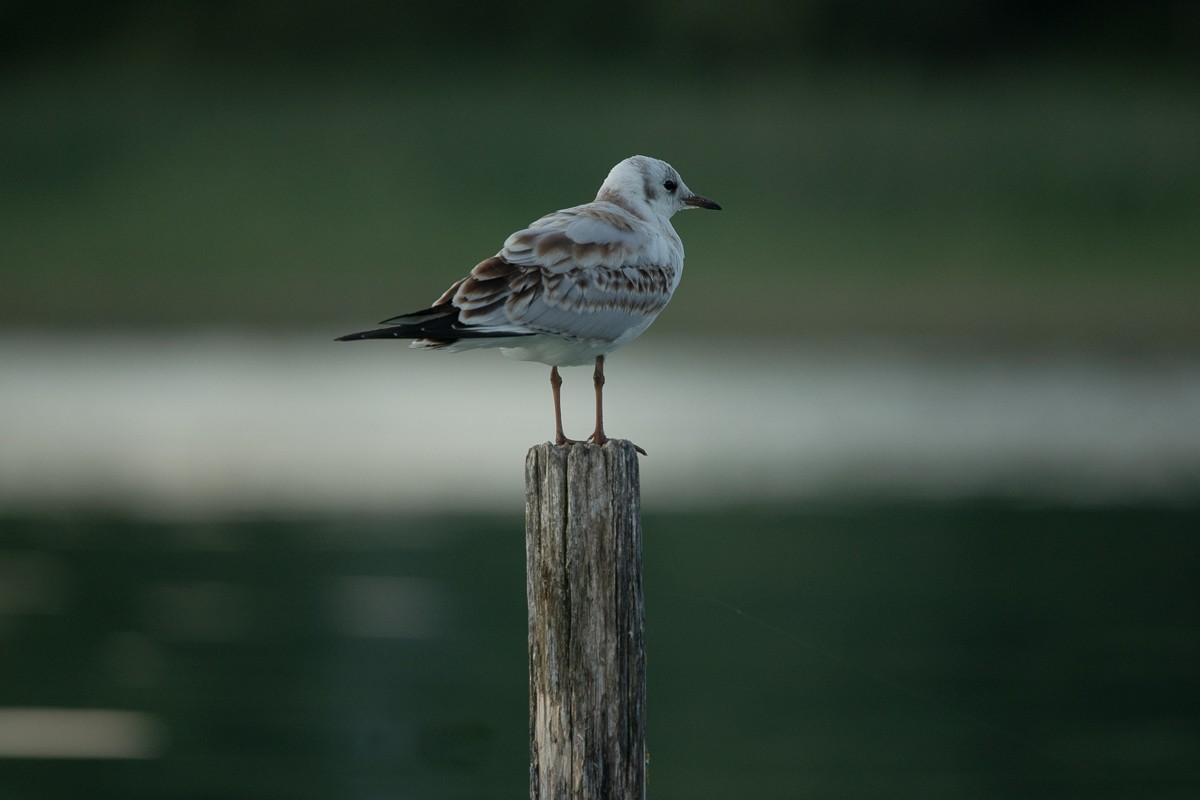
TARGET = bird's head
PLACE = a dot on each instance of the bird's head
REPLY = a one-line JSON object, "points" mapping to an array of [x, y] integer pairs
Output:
{"points": [[646, 185]]}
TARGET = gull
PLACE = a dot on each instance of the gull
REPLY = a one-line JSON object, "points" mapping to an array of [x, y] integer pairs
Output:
{"points": [[570, 288]]}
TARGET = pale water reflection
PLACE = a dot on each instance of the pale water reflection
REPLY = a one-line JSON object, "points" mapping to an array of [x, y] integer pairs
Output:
{"points": [[208, 424]]}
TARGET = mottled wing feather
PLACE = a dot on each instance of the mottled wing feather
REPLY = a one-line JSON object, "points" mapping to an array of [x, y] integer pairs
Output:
{"points": [[583, 237], [589, 272], [602, 272]]}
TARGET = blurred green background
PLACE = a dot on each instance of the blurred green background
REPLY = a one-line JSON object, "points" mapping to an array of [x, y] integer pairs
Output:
{"points": [[1002, 171], [997, 177]]}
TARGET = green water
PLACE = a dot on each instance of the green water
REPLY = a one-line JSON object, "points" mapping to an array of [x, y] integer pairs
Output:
{"points": [[965, 651]]}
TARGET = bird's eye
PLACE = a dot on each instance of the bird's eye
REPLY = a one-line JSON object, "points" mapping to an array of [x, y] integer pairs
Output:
{"points": [[670, 186]]}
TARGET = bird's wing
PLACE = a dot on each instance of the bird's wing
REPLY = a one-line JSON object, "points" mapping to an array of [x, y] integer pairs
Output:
{"points": [[589, 272], [598, 234]]}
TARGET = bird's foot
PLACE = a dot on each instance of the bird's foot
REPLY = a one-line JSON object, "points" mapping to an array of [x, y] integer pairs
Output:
{"points": [[592, 440], [599, 438]]}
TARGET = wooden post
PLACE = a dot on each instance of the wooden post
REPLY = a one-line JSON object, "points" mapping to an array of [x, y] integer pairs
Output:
{"points": [[587, 660]]}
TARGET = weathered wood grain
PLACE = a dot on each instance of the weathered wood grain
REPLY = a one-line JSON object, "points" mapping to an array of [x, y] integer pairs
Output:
{"points": [[587, 663]]}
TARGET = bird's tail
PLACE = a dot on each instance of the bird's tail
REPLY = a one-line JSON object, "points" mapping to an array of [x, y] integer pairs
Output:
{"points": [[416, 325], [394, 332], [439, 325]]}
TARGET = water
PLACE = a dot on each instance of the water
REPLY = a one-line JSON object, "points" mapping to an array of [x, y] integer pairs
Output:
{"points": [[925, 650], [208, 425]]}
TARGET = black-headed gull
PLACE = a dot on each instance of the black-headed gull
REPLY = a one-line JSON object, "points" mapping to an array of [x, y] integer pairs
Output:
{"points": [[572, 287]]}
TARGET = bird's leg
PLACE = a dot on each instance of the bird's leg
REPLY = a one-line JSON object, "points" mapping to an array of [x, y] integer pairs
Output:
{"points": [[555, 385], [598, 436]]}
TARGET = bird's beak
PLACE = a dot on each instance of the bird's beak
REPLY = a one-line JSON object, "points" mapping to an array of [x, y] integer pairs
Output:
{"points": [[696, 201]]}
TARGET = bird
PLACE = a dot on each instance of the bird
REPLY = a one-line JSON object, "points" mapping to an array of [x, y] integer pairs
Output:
{"points": [[571, 287]]}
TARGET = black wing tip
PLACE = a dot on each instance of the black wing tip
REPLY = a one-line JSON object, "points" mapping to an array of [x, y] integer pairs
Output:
{"points": [[440, 325], [399, 332], [405, 326], [445, 309]]}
